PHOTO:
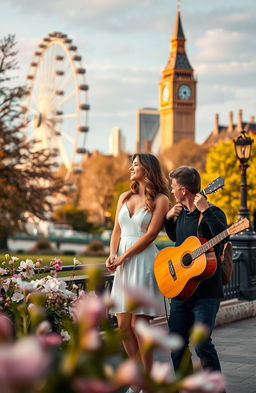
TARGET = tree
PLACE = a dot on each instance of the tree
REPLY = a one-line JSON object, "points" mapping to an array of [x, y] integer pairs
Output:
{"points": [[185, 152], [27, 174], [97, 183], [76, 218], [221, 161]]}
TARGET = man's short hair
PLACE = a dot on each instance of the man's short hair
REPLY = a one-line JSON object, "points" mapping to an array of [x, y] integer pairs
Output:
{"points": [[188, 177]]}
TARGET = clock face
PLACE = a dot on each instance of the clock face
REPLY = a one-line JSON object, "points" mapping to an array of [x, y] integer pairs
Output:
{"points": [[184, 92], [165, 93]]}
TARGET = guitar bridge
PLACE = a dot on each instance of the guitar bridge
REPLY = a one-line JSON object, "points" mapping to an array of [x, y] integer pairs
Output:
{"points": [[172, 270]]}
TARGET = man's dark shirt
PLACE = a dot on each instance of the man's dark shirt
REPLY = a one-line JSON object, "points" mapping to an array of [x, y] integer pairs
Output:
{"points": [[213, 222]]}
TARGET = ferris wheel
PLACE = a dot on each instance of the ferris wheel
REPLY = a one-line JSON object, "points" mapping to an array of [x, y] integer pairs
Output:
{"points": [[56, 105]]}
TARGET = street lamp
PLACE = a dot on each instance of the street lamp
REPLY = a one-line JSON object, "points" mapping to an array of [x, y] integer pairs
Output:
{"points": [[243, 147]]}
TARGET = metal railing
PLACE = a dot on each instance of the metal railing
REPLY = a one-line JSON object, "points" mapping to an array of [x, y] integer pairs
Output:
{"points": [[232, 289]]}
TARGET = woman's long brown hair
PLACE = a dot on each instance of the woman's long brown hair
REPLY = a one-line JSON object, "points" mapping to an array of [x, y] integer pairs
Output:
{"points": [[155, 181]]}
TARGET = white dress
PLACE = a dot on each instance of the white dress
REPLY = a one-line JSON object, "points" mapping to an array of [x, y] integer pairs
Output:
{"points": [[136, 271]]}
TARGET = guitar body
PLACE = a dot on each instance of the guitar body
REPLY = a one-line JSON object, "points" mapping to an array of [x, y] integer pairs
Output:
{"points": [[177, 275]]}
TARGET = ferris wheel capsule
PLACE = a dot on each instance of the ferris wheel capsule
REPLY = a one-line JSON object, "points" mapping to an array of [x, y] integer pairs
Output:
{"points": [[56, 102]]}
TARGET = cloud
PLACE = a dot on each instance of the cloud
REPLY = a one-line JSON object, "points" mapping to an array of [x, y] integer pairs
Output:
{"points": [[219, 45], [109, 15]]}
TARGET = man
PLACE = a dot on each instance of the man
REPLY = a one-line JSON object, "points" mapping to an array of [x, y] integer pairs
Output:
{"points": [[194, 216]]}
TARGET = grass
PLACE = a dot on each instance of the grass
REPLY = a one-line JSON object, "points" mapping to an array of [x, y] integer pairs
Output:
{"points": [[66, 260]]}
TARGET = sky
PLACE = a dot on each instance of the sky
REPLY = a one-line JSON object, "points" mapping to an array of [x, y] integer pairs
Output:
{"points": [[125, 45]]}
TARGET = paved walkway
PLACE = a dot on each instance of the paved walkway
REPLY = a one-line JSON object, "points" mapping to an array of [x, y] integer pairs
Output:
{"points": [[236, 346]]}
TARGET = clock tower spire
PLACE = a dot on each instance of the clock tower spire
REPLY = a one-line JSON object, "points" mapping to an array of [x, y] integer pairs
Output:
{"points": [[177, 92]]}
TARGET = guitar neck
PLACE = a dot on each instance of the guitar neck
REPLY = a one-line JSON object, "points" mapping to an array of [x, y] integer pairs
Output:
{"points": [[209, 244]]}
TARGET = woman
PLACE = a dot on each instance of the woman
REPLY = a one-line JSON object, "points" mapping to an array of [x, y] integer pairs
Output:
{"points": [[139, 218]]}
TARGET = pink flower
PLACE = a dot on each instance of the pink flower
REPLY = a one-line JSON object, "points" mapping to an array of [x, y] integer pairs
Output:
{"points": [[22, 364], [90, 340], [89, 310], [128, 373], [205, 381], [5, 328], [56, 263], [50, 340], [93, 386], [43, 328]]}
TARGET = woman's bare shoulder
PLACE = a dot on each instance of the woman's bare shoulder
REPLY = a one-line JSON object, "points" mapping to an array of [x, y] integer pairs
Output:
{"points": [[123, 196], [162, 198]]}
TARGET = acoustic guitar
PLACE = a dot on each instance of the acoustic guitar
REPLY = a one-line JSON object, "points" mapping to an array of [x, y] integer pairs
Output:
{"points": [[179, 270]]}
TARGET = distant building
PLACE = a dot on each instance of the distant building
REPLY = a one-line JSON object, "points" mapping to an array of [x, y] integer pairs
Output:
{"points": [[231, 130], [177, 90], [158, 130], [147, 127], [116, 142]]}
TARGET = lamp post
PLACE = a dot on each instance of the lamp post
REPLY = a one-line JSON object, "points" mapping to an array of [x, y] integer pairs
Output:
{"points": [[243, 147], [244, 243]]}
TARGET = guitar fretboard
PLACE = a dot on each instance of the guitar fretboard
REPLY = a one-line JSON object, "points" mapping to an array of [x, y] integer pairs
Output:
{"points": [[211, 243]]}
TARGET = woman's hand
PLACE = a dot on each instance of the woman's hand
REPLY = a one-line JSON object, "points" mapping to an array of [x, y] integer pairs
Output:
{"points": [[119, 260], [110, 263]]}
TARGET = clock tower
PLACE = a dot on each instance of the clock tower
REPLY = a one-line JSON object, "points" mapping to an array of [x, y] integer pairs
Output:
{"points": [[177, 93]]}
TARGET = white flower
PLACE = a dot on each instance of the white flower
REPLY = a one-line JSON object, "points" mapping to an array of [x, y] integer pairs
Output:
{"points": [[17, 296], [3, 271], [76, 262], [15, 259], [64, 335], [43, 328], [27, 268], [27, 285]]}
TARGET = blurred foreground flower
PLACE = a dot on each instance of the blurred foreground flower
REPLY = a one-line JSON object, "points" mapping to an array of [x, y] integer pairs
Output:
{"points": [[69, 344], [153, 337], [203, 382], [6, 329], [128, 373], [90, 385], [138, 297], [199, 333], [162, 372], [89, 310], [22, 364]]}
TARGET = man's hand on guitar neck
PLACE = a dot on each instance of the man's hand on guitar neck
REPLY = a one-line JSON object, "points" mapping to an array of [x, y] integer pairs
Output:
{"points": [[201, 203], [174, 211]]}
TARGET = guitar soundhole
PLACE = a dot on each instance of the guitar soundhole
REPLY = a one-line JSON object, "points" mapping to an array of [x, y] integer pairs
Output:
{"points": [[187, 259]]}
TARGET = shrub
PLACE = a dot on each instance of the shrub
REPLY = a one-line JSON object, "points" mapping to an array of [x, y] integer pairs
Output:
{"points": [[96, 246]]}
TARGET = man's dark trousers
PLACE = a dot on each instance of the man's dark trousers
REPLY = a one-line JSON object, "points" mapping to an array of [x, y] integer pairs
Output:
{"points": [[184, 314]]}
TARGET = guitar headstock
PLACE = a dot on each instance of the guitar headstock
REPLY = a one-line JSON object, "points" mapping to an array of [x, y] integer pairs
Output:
{"points": [[213, 186], [239, 226]]}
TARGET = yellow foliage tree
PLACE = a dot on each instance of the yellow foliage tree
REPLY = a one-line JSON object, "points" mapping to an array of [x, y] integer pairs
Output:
{"points": [[221, 161]]}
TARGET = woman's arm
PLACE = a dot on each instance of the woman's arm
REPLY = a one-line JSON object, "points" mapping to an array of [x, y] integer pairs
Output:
{"points": [[156, 223], [115, 236]]}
